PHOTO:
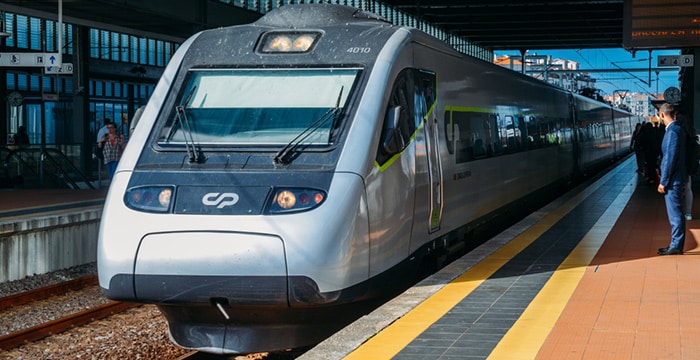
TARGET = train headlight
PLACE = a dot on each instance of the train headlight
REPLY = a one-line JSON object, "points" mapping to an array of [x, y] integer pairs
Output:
{"points": [[288, 42], [149, 198], [295, 199], [286, 199]]}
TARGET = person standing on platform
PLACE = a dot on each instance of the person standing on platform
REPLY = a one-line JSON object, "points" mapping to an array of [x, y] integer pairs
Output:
{"points": [[104, 130], [649, 146], [673, 178], [112, 145], [691, 161], [636, 145]]}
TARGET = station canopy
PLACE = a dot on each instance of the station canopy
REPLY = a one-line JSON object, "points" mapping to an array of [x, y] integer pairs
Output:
{"points": [[492, 24], [529, 25]]}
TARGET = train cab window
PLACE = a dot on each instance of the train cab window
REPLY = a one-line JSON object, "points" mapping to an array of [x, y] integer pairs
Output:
{"points": [[399, 123], [249, 107], [412, 98]]}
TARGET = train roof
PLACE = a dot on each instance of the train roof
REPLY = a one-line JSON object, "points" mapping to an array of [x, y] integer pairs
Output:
{"points": [[316, 15]]}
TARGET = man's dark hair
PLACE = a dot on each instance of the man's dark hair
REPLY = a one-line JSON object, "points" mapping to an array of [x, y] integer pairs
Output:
{"points": [[668, 109]]}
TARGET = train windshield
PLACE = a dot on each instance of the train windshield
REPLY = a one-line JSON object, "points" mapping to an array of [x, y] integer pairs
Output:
{"points": [[258, 106]]}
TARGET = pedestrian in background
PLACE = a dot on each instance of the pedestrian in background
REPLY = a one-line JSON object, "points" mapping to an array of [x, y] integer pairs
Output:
{"points": [[673, 178], [21, 138], [112, 145], [691, 161], [648, 142], [104, 130], [636, 146]]}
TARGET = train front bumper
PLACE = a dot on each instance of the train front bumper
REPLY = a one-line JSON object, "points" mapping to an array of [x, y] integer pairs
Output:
{"points": [[196, 267]]}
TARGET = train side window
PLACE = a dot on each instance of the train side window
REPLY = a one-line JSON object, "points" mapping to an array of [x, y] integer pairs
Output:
{"points": [[471, 135], [463, 136], [535, 139], [491, 133], [510, 133]]}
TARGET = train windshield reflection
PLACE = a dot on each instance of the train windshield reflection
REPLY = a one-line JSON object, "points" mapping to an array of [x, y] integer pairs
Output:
{"points": [[256, 106]]}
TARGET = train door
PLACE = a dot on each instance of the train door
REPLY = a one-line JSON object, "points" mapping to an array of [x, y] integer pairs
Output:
{"points": [[573, 122], [427, 215], [426, 91]]}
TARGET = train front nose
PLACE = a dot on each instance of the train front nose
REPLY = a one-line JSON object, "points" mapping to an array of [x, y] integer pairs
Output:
{"points": [[201, 267], [228, 292]]}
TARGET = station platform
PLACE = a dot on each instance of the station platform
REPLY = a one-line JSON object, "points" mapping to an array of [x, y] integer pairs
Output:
{"points": [[21, 202], [43, 230], [578, 279]]}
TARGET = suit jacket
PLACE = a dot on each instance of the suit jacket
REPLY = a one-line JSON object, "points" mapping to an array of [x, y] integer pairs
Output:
{"points": [[673, 168]]}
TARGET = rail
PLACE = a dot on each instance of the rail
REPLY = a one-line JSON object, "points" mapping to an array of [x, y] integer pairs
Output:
{"points": [[59, 325], [47, 291], [41, 331]]}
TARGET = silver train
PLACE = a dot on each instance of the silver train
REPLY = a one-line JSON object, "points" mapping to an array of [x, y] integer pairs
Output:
{"points": [[287, 172]]}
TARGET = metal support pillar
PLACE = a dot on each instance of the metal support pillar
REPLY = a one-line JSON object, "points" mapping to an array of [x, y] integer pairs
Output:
{"points": [[81, 97]]}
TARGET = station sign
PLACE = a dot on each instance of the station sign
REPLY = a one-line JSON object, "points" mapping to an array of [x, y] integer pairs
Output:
{"points": [[686, 60], [667, 60], [49, 97], [28, 59], [63, 69], [675, 60], [667, 24]]}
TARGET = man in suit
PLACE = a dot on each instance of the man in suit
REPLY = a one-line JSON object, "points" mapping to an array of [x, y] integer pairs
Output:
{"points": [[674, 176]]}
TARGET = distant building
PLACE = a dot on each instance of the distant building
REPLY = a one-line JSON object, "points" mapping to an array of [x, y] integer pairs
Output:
{"points": [[566, 74], [560, 72], [509, 62], [565, 64], [636, 103]]}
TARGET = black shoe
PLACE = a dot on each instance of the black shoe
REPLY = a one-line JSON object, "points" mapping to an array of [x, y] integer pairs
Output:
{"points": [[663, 249], [670, 251]]}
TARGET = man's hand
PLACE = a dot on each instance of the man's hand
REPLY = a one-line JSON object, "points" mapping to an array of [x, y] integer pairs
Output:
{"points": [[661, 189]]}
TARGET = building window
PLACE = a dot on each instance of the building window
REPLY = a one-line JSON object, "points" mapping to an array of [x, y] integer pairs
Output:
{"points": [[35, 34]]}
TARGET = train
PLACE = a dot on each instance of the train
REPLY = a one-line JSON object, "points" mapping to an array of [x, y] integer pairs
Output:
{"points": [[287, 173]]}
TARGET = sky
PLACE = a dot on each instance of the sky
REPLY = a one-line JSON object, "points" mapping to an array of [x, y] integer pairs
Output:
{"points": [[618, 58]]}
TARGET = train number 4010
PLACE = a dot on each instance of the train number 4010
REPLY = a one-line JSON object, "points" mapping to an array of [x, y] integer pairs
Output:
{"points": [[359, 50]]}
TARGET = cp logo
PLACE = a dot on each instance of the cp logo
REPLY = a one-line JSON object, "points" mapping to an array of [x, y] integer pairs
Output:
{"points": [[221, 200]]}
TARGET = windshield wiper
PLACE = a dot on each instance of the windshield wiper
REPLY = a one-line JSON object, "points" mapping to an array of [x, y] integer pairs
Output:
{"points": [[284, 155], [192, 152]]}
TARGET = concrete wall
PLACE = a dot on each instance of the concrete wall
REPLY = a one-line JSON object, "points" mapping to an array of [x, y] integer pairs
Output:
{"points": [[39, 244]]}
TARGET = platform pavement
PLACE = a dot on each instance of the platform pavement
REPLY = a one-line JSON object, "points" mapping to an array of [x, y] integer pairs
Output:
{"points": [[16, 202]]}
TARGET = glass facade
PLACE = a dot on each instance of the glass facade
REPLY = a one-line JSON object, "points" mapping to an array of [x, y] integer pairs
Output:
{"points": [[54, 94]]}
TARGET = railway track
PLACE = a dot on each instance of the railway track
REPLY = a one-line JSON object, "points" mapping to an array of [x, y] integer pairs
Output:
{"points": [[43, 330], [77, 319], [47, 291]]}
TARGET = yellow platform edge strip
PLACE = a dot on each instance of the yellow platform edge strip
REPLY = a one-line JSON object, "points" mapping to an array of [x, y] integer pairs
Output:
{"points": [[388, 342], [527, 335]]}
